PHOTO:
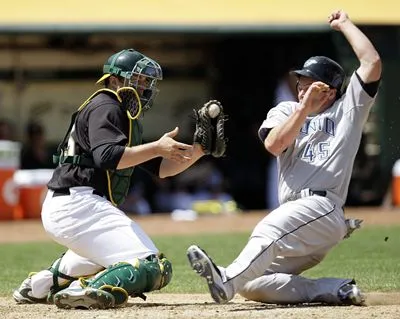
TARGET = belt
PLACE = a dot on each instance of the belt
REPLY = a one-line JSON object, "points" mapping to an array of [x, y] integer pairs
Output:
{"points": [[319, 193], [66, 192], [306, 193]]}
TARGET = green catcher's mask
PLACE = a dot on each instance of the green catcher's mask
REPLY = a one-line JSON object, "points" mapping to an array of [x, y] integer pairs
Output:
{"points": [[139, 72]]}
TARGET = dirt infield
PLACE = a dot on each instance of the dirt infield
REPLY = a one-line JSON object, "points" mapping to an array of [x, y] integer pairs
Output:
{"points": [[199, 306], [380, 305]]}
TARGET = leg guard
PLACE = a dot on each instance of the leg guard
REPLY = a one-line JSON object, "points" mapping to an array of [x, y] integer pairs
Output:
{"points": [[124, 279], [54, 269]]}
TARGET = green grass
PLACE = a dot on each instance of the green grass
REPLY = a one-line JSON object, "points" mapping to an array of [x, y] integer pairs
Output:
{"points": [[366, 256]]}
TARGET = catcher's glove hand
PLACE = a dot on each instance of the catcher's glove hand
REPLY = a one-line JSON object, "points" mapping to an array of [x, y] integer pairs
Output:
{"points": [[210, 128]]}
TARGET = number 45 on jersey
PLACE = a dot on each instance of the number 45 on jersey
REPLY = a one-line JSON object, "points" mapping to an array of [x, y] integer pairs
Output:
{"points": [[313, 151]]}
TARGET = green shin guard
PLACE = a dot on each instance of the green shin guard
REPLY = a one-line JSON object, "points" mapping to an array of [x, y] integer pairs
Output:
{"points": [[124, 279], [166, 271]]}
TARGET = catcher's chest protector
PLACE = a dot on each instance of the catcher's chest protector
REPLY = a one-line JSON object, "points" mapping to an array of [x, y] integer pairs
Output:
{"points": [[118, 180]]}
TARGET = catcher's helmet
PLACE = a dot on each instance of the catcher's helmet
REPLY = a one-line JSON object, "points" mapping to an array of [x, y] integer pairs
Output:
{"points": [[323, 69], [130, 65]]}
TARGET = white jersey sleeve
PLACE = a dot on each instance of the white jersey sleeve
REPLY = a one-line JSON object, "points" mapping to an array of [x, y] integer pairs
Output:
{"points": [[276, 116], [355, 97]]}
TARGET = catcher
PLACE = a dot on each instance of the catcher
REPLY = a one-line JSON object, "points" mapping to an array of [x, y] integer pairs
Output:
{"points": [[109, 257]]}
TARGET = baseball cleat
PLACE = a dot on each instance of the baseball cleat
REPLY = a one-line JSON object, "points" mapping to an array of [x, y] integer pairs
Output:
{"points": [[23, 295], [204, 266], [350, 294], [84, 298]]}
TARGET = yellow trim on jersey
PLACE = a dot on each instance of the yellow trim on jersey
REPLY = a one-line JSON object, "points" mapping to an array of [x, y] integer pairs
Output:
{"points": [[137, 99], [128, 144], [130, 131], [97, 92], [109, 188]]}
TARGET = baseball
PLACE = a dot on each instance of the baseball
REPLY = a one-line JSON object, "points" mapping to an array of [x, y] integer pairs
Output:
{"points": [[213, 110]]}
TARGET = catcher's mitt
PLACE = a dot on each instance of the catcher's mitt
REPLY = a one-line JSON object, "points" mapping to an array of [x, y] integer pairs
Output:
{"points": [[210, 128]]}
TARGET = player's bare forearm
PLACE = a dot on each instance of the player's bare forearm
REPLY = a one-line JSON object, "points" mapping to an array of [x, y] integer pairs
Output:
{"points": [[283, 135], [136, 155], [171, 168], [166, 147], [370, 62]]}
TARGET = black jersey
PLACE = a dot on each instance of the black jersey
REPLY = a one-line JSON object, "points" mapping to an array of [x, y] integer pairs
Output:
{"points": [[101, 130]]}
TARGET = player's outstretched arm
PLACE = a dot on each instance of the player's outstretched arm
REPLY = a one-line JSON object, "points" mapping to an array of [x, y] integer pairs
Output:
{"points": [[370, 63], [208, 139], [170, 167], [166, 147]]}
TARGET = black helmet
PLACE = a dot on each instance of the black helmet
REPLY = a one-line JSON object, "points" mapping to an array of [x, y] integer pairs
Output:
{"points": [[323, 69], [130, 64]]}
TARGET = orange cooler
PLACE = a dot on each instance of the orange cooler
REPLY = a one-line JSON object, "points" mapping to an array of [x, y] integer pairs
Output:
{"points": [[9, 163], [32, 185], [396, 183]]}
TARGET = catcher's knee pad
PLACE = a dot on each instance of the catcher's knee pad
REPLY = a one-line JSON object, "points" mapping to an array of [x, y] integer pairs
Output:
{"points": [[125, 279]]}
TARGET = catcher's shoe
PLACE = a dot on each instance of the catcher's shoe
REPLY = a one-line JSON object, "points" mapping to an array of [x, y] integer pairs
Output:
{"points": [[204, 266], [350, 294], [23, 295], [84, 298]]}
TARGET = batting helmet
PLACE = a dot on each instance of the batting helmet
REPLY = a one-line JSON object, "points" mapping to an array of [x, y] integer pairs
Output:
{"points": [[130, 64], [323, 69]]}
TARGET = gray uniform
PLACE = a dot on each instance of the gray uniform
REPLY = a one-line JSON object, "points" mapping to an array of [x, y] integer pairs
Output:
{"points": [[297, 235], [324, 151]]}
